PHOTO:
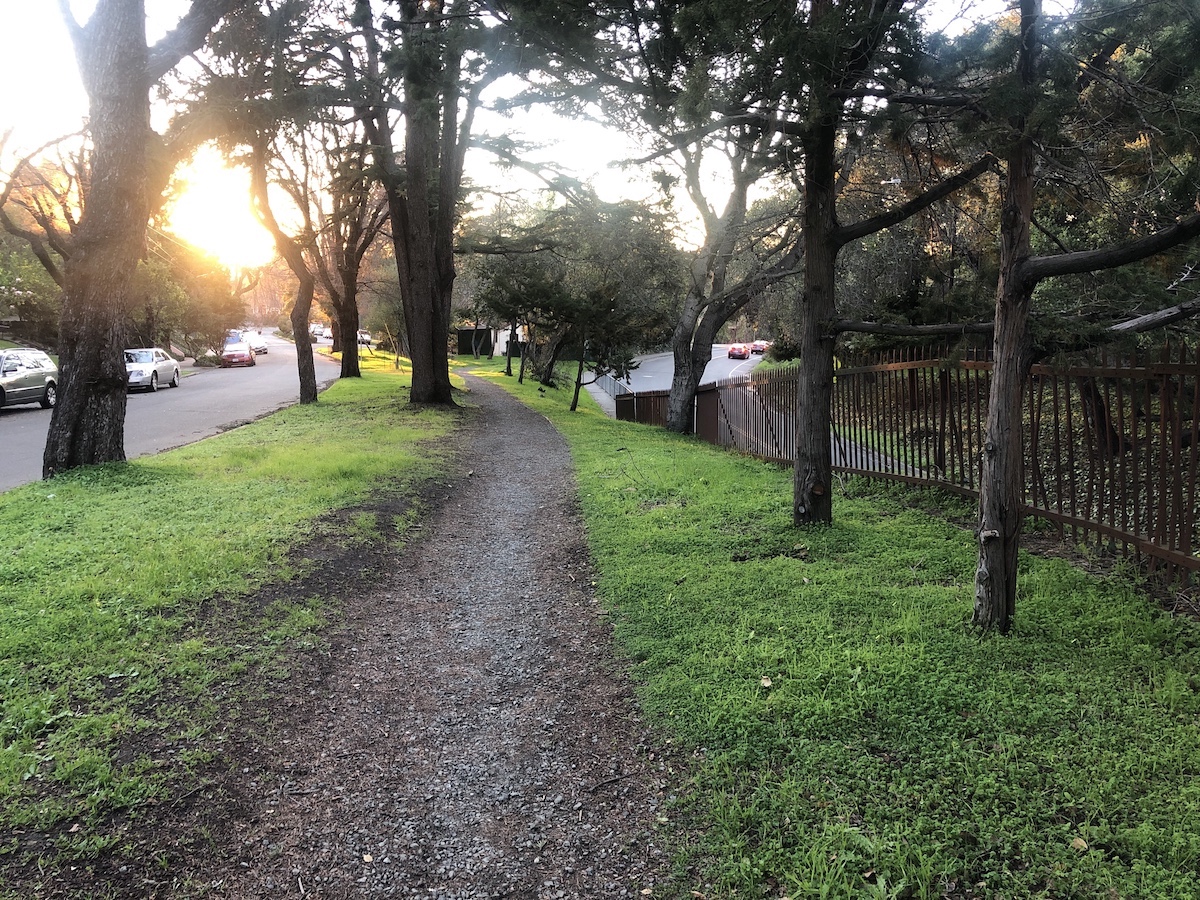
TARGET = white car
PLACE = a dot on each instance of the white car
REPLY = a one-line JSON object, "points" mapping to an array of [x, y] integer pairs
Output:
{"points": [[257, 342], [149, 367], [327, 333], [364, 337]]}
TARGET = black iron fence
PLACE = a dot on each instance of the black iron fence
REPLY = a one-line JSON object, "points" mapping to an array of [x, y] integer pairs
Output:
{"points": [[1112, 447]]}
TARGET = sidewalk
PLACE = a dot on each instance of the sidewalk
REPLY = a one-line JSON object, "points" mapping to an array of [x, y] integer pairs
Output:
{"points": [[605, 402]]}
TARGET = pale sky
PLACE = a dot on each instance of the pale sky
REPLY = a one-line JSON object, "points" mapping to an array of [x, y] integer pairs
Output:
{"points": [[40, 94]]}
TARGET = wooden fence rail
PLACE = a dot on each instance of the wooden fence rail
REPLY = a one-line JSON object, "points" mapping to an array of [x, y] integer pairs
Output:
{"points": [[1112, 448]]}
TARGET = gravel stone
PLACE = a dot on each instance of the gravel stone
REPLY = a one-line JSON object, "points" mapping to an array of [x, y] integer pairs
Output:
{"points": [[474, 735]]}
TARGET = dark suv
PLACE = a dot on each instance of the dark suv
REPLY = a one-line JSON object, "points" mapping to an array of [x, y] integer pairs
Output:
{"points": [[27, 376]]}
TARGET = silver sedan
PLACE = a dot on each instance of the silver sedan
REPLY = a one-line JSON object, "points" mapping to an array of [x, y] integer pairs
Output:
{"points": [[149, 367]]}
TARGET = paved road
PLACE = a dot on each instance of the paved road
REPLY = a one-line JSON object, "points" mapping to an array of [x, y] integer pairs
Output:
{"points": [[654, 372], [209, 401]]}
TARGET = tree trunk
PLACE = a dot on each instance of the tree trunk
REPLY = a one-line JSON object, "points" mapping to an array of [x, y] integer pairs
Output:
{"points": [[691, 345], [87, 425], [1002, 480], [421, 295], [578, 377], [347, 310], [557, 343], [812, 477], [301, 310], [685, 377]]}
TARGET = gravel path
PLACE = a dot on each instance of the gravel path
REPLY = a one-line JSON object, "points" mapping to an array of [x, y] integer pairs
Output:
{"points": [[473, 737]]}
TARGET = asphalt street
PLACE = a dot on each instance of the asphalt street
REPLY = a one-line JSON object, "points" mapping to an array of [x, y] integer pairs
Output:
{"points": [[654, 372], [208, 402]]}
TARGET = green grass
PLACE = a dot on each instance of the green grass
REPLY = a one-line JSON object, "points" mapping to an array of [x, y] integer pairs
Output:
{"points": [[839, 730], [849, 735], [123, 621]]}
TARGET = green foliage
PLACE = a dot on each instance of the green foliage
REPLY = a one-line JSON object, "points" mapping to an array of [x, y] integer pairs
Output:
{"points": [[27, 293], [599, 278], [124, 624], [848, 735]]}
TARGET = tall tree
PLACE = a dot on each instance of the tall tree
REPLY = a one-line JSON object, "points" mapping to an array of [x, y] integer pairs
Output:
{"points": [[352, 213], [295, 250], [600, 278], [431, 60], [682, 76], [118, 69], [1033, 128]]}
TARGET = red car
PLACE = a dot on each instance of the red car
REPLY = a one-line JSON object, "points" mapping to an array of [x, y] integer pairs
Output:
{"points": [[739, 351], [237, 354], [760, 346]]}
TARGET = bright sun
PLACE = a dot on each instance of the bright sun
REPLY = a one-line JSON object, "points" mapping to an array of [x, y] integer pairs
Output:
{"points": [[212, 211]]}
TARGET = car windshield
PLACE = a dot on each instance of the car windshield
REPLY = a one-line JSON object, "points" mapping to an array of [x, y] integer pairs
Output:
{"points": [[138, 356]]}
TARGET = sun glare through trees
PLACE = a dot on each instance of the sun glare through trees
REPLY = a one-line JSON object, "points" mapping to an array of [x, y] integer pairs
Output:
{"points": [[211, 210]]}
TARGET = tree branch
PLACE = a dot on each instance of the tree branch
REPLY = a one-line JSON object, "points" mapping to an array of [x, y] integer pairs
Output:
{"points": [[1159, 319], [899, 330], [848, 233], [1113, 256], [187, 37]]}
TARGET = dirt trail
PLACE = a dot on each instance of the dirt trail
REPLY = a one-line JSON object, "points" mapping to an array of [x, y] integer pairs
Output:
{"points": [[472, 736]]}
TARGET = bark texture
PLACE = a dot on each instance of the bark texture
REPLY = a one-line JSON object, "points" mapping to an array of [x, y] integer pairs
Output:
{"points": [[88, 422], [812, 501], [118, 69], [422, 184]]}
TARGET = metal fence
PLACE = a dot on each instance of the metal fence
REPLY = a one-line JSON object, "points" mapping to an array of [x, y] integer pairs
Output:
{"points": [[1112, 447], [614, 387]]}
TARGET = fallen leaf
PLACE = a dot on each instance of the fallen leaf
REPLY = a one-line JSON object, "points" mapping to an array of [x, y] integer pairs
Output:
{"points": [[1079, 844], [766, 682], [367, 857], [646, 892], [74, 828]]}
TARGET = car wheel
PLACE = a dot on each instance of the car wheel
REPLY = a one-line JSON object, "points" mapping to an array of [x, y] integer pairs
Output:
{"points": [[175, 379], [153, 382], [49, 396]]}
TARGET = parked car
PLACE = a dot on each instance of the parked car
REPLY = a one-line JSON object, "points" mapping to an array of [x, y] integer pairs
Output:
{"points": [[759, 346], [149, 367], [237, 354], [739, 351], [327, 332], [257, 342], [27, 376], [364, 337]]}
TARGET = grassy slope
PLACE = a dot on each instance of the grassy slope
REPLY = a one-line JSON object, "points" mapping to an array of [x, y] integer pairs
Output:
{"points": [[852, 736], [105, 572]]}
